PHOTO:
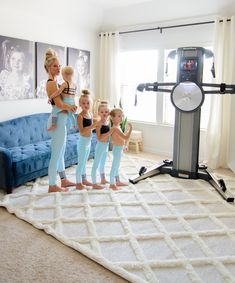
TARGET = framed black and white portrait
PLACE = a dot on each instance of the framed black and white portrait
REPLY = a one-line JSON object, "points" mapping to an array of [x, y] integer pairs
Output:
{"points": [[16, 68], [41, 75], [80, 60]]}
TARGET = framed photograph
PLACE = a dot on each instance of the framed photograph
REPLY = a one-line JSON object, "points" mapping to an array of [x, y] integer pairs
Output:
{"points": [[41, 74], [16, 68], [80, 61]]}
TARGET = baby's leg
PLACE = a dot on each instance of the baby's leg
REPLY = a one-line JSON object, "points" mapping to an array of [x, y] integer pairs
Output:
{"points": [[54, 118]]}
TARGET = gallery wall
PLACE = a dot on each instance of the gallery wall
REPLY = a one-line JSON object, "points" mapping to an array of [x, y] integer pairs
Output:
{"points": [[48, 22]]}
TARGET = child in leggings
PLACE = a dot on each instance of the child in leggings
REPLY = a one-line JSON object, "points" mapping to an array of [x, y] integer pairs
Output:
{"points": [[68, 91], [118, 139], [103, 133], [85, 125]]}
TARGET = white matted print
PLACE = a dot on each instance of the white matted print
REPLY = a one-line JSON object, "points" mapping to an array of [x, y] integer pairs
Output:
{"points": [[16, 68], [80, 60]]}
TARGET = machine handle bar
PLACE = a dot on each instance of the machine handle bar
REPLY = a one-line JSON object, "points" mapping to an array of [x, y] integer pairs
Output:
{"points": [[223, 88]]}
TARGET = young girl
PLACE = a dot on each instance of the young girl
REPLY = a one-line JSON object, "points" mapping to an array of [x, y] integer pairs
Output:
{"points": [[85, 125], [67, 90], [118, 139], [103, 133]]}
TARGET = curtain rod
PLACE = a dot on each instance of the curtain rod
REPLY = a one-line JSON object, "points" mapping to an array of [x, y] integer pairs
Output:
{"points": [[168, 27]]}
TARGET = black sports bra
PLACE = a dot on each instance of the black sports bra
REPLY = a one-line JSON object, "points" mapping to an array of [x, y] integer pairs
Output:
{"points": [[52, 100], [104, 129], [70, 90], [86, 122]]}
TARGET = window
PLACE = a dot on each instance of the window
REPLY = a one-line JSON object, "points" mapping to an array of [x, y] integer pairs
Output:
{"points": [[141, 67], [138, 67]]}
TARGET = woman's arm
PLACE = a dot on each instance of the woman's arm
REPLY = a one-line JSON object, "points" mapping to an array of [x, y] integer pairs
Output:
{"points": [[52, 88], [58, 91]]}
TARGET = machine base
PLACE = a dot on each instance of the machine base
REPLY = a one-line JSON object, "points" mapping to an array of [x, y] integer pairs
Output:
{"points": [[204, 173]]}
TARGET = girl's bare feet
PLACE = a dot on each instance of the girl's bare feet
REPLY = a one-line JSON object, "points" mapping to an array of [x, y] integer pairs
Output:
{"points": [[121, 184], [55, 188], [97, 187], [66, 183], [104, 181], [87, 183], [80, 186], [113, 187]]}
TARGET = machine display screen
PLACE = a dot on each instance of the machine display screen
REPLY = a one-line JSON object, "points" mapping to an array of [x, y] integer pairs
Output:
{"points": [[188, 65]]}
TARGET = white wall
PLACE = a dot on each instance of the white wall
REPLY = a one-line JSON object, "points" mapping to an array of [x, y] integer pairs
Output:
{"points": [[164, 10], [158, 138], [54, 22]]}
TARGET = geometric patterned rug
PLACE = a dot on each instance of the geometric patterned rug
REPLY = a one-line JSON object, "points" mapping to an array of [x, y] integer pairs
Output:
{"points": [[161, 230]]}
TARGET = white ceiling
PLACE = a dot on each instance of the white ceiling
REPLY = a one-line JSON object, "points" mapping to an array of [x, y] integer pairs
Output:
{"points": [[110, 4], [119, 13]]}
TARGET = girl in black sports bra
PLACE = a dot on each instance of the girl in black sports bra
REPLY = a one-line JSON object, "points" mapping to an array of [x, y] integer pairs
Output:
{"points": [[85, 126], [103, 132]]}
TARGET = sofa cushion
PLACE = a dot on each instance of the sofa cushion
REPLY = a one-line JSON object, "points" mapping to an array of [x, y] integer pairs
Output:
{"points": [[24, 130], [30, 158]]}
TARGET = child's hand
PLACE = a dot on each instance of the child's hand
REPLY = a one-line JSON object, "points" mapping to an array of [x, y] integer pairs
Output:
{"points": [[130, 126], [73, 108]]}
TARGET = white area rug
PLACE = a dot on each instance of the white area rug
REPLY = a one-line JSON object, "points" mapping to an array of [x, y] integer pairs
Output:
{"points": [[162, 229]]}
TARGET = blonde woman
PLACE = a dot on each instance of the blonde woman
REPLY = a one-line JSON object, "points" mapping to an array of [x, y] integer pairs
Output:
{"points": [[58, 135]]}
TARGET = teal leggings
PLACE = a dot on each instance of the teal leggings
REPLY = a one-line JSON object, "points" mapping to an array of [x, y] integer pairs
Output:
{"points": [[58, 144], [101, 151], [117, 154], [56, 110], [83, 147]]}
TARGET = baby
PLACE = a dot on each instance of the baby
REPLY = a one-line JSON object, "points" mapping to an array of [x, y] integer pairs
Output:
{"points": [[67, 90]]}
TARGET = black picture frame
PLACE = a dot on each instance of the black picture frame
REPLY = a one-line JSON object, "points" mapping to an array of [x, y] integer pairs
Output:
{"points": [[79, 59], [41, 75], [16, 69]]}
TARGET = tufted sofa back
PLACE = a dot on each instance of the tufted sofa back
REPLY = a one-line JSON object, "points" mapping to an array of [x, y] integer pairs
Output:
{"points": [[24, 130]]}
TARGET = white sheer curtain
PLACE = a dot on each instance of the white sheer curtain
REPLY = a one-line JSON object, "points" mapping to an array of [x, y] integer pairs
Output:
{"points": [[218, 130], [108, 67]]}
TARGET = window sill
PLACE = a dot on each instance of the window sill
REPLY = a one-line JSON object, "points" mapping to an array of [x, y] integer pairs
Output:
{"points": [[158, 124]]}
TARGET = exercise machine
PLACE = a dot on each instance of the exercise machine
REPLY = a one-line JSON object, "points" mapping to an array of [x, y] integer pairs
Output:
{"points": [[187, 96]]}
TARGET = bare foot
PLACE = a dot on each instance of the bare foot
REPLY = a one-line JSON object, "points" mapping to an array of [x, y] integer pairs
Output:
{"points": [[80, 186], [104, 181], [66, 183], [113, 187], [121, 184], [53, 189], [51, 128], [97, 187], [87, 183]]}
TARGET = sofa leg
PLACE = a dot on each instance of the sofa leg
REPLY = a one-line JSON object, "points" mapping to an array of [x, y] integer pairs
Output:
{"points": [[9, 190]]}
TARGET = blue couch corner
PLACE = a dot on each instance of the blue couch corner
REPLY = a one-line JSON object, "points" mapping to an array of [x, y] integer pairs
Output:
{"points": [[25, 149]]}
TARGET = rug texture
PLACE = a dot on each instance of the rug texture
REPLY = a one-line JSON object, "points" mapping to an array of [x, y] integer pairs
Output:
{"points": [[161, 230]]}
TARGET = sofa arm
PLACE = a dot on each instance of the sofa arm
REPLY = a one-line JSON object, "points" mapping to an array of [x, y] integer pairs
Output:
{"points": [[6, 174]]}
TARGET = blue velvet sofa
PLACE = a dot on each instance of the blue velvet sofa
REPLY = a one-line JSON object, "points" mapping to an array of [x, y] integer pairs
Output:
{"points": [[25, 150]]}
